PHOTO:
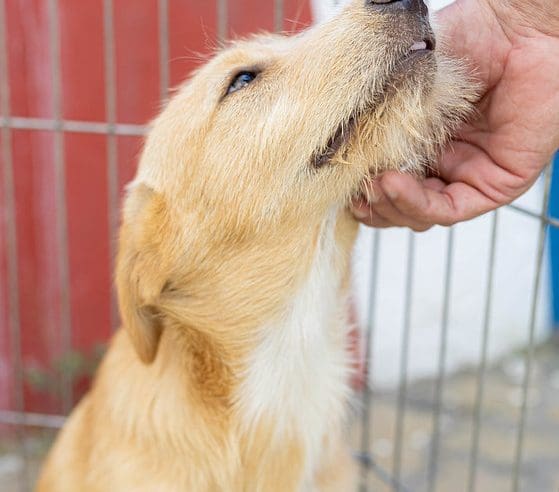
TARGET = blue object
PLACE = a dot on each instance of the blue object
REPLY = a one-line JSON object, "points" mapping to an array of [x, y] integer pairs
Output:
{"points": [[554, 242]]}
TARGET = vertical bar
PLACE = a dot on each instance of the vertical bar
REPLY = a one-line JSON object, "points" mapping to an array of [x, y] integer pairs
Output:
{"points": [[366, 400], [222, 20], [278, 15], [163, 8], [11, 248], [112, 142], [472, 475], [60, 192], [554, 242], [434, 457], [529, 360], [404, 358]]}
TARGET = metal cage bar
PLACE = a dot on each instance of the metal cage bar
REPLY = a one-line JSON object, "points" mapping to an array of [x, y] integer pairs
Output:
{"points": [[164, 73], [112, 129], [366, 407], [60, 194], [279, 9], [111, 141], [72, 126], [529, 358], [26, 419], [404, 359], [439, 389], [11, 247], [480, 384], [222, 20]]}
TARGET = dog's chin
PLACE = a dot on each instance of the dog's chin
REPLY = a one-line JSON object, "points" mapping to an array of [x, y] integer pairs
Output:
{"points": [[393, 142], [421, 108], [413, 75]]}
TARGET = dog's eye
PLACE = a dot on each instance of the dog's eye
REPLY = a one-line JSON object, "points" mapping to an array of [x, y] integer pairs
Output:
{"points": [[241, 80]]}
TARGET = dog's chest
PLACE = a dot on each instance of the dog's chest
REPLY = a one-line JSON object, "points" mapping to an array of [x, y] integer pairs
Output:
{"points": [[298, 374]]}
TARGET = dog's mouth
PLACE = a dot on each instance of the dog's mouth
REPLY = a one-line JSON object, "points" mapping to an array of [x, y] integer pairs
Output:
{"points": [[337, 140], [426, 45], [418, 50]]}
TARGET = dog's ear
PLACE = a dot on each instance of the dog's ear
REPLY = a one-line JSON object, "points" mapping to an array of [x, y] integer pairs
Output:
{"points": [[140, 272]]}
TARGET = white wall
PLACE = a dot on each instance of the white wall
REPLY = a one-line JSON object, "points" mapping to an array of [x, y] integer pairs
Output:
{"points": [[439, 4], [325, 8], [512, 291], [513, 287]]}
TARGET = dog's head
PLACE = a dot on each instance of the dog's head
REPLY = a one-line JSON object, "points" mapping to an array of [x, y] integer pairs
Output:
{"points": [[252, 152]]}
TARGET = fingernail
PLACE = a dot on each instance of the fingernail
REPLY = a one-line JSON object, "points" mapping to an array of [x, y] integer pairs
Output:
{"points": [[374, 197]]}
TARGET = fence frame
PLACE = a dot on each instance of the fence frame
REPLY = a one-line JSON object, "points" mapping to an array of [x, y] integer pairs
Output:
{"points": [[111, 128]]}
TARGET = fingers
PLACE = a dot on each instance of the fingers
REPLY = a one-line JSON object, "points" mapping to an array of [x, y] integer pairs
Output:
{"points": [[364, 212], [467, 163], [390, 207], [401, 200]]}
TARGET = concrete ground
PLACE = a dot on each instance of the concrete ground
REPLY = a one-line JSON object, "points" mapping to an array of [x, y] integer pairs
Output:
{"points": [[497, 443], [497, 437]]}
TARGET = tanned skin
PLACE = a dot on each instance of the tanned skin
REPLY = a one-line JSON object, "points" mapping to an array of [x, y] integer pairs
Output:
{"points": [[514, 44]]}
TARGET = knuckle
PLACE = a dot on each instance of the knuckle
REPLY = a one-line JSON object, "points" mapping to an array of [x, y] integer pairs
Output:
{"points": [[421, 228], [447, 222]]}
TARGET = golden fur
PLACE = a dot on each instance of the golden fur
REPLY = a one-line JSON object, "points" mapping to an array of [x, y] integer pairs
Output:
{"points": [[228, 231]]}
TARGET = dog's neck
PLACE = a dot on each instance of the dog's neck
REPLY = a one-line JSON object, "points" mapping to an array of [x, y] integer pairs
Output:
{"points": [[293, 380], [297, 376]]}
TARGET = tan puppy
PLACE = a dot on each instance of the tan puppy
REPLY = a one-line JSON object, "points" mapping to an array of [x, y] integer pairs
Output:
{"points": [[231, 372]]}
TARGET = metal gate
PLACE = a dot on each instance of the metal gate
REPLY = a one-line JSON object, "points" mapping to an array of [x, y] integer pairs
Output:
{"points": [[71, 128]]}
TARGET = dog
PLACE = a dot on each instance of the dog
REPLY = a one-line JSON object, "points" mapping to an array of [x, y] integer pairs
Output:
{"points": [[231, 370]]}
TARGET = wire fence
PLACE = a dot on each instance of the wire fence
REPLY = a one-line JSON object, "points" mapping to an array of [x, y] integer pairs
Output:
{"points": [[392, 475]]}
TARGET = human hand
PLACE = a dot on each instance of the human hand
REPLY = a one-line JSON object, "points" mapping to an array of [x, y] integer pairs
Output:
{"points": [[514, 45]]}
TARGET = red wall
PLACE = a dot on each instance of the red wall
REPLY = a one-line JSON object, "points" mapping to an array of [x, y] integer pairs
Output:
{"points": [[39, 209]]}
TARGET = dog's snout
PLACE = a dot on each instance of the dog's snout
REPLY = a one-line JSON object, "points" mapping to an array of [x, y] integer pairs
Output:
{"points": [[416, 6]]}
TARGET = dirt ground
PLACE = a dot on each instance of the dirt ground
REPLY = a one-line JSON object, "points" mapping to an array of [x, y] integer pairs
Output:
{"points": [[497, 442]]}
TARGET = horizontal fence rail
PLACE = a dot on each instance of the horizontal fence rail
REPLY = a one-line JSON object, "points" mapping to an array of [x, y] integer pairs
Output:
{"points": [[111, 128]]}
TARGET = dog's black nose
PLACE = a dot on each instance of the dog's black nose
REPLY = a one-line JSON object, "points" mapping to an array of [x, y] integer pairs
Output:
{"points": [[416, 6]]}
